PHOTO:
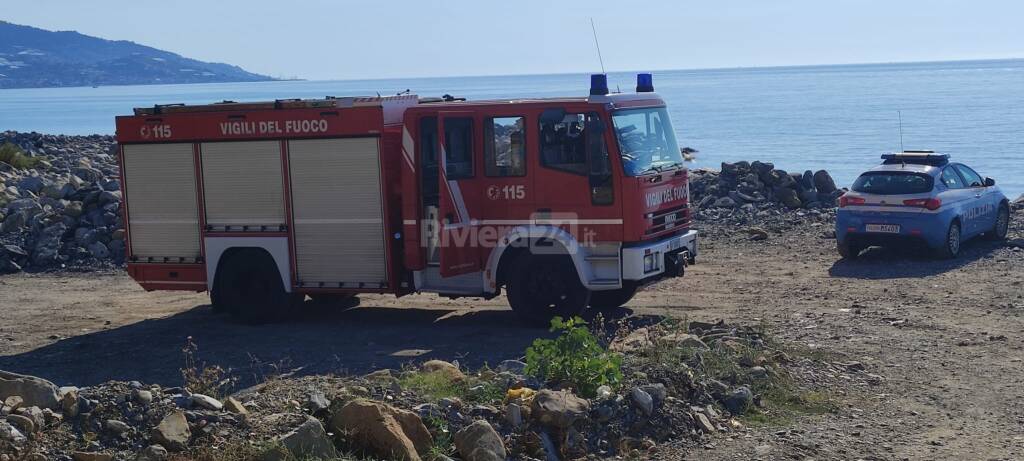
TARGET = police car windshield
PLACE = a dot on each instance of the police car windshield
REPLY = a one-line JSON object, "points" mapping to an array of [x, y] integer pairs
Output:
{"points": [[646, 140], [893, 183]]}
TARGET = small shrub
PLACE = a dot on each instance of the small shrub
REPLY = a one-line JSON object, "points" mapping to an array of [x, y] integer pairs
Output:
{"points": [[437, 385], [575, 357], [15, 157], [198, 377]]}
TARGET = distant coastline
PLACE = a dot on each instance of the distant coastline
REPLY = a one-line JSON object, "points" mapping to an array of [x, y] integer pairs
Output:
{"points": [[35, 58]]}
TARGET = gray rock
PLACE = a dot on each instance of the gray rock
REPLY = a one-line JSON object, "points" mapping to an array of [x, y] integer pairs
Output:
{"points": [[142, 397], [787, 197], [14, 221], [11, 434], [480, 442], [642, 400], [152, 453], [824, 182], [514, 415], [725, 202], [47, 249], [317, 402], [206, 402], [23, 423], [739, 400], [35, 392], [33, 184], [309, 441], [172, 432], [117, 427], [512, 366], [657, 391], [99, 250], [87, 174]]}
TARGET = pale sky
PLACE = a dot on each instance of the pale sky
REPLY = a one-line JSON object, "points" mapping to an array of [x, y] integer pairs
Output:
{"points": [[326, 40]]}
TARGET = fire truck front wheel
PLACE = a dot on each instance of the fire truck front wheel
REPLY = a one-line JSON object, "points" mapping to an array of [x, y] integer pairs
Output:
{"points": [[541, 287], [612, 299], [248, 286]]}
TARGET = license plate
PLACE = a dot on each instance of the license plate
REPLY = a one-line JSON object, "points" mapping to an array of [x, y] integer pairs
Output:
{"points": [[670, 217], [884, 228]]}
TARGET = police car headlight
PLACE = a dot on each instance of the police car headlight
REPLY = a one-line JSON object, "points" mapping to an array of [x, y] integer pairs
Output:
{"points": [[651, 262]]}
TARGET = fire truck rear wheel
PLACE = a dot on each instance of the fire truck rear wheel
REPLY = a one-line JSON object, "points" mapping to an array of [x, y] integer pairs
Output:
{"points": [[335, 300], [250, 288], [541, 287], [612, 299]]}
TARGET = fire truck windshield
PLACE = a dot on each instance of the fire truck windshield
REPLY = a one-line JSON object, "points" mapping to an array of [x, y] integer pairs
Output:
{"points": [[646, 140]]}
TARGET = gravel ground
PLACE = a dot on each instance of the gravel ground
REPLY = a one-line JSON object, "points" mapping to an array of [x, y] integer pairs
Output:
{"points": [[940, 340]]}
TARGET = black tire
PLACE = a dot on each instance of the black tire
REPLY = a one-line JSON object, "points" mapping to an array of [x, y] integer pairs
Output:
{"points": [[249, 287], [848, 249], [1002, 226], [343, 301], [541, 287], [612, 299], [951, 247]]}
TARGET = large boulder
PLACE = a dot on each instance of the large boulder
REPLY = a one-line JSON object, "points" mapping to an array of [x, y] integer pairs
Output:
{"points": [[308, 441], [34, 392], [824, 182], [440, 366], [480, 442], [382, 429], [788, 197], [172, 432], [559, 409]]}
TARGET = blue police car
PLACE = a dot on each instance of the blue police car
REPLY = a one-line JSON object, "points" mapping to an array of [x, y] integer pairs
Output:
{"points": [[920, 196]]}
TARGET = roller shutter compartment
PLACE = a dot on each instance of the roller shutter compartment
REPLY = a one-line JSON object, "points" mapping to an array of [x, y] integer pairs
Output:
{"points": [[243, 185], [160, 191], [338, 219]]}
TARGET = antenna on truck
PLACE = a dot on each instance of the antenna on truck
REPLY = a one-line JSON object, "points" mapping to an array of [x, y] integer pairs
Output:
{"points": [[899, 114], [598, 44]]}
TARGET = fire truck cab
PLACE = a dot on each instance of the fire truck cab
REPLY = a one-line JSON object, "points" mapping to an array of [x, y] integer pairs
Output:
{"points": [[564, 203]]}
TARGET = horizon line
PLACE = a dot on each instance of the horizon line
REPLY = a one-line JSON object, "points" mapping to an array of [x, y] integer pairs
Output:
{"points": [[690, 69]]}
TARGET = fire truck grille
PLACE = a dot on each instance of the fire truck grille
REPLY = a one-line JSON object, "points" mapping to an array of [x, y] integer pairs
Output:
{"points": [[669, 219]]}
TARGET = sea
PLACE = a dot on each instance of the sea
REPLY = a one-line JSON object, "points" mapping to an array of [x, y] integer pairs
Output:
{"points": [[839, 118]]}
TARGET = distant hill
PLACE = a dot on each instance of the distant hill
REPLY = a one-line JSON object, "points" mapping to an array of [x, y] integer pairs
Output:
{"points": [[37, 58]]}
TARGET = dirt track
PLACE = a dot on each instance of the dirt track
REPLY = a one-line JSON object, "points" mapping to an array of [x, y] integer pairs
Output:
{"points": [[945, 336]]}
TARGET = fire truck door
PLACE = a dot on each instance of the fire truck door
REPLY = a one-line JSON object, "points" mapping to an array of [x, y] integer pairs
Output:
{"points": [[459, 194]]}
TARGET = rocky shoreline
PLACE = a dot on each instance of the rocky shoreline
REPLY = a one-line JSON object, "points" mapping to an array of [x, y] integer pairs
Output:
{"points": [[65, 212]]}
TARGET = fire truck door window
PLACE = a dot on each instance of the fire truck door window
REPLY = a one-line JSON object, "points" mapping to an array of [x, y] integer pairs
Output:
{"points": [[458, 144], [429, 160], [563, 144], [505, 146], [601, 192]]}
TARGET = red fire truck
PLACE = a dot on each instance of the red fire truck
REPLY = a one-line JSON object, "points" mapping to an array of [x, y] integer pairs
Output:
{"points": [[565, 203]]}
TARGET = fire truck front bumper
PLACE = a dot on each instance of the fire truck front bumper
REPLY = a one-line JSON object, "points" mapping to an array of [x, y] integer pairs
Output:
{"points": [[649, 261]]}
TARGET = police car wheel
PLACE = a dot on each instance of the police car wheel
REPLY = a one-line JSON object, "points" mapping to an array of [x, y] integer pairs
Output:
{"points": [[1002, 225], [541, 287], [848, 249], [951, 248], [612, 299]]}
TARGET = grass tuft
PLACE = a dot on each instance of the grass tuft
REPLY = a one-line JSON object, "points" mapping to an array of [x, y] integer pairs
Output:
{"points": [[15, 157]]}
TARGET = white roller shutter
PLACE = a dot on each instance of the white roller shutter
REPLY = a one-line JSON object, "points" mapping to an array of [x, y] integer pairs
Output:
{"points": [[339, 228], [242, 184], [160, 189]]}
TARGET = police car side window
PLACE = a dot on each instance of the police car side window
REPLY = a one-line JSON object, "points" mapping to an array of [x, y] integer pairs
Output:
{"points": [[951, 179], [973, 179]]}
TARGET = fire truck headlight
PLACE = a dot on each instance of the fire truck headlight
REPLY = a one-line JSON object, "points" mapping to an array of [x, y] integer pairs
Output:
{"points": [[651, 262]]}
